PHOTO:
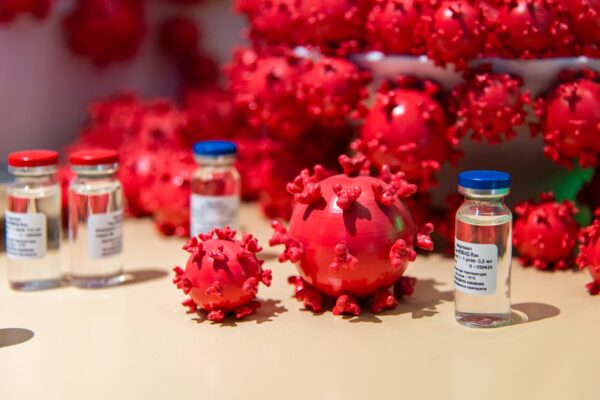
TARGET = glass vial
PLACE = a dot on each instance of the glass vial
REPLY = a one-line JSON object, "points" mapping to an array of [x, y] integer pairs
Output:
{"points": [[483, 250], [216, 187], [95, 219], [32, 221]]}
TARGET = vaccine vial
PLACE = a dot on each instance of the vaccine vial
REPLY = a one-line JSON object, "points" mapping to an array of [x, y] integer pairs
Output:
{"points": [[482, 251], [32, 221], [95, 220], [216, 187]]}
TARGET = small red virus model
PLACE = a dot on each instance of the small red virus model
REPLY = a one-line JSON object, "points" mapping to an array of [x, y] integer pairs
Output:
{"points": [[570, 120], [545, 233], [585, 21], [222, 274], [332, 89], [393, 26], [272, 21], [454, 33], [589, 254], [333, 25], [532, 29], [351, 237], [106, 30], [265, 89], [407, 130], [10, 9], [490, 106]]}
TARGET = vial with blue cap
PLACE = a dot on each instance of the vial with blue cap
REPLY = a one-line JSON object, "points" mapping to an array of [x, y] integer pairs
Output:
{"points": [[216, 187], [483, 250]]}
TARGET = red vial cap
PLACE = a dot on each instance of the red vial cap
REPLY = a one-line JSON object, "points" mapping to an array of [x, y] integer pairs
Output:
{"points": [[94, 157], [32, 158]]}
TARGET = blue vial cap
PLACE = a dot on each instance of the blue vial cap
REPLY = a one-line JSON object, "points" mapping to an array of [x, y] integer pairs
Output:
{"points": [[484, 180], [215, 148]]}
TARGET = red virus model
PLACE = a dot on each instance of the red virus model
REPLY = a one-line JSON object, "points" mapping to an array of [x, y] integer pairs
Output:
{"points": [[106, 30], [545, 233], [222, 274], [532, 29], [454, 33], [351, 237], [490, 106], [407, 129], [393, 26], [10, 9], [272, 21], [589, 254], [585, 21], [332, 89], [570, 120]]}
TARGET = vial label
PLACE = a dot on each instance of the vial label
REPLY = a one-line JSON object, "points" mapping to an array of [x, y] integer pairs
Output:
{"points": [[25, 235], [475, 268], [210, 212], [105, 234]]}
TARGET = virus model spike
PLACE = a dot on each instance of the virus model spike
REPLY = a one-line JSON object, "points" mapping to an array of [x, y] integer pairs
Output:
{"points": [[570, 121], [589, 254], [545, 233], [222, 274], [490, 106], [393, 26], [354, 243]]}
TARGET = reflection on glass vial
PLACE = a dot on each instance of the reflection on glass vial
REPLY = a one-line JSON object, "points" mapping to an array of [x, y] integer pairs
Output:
{"points": [[483, 250], [215, 199], [95, 220], [32, 221]]}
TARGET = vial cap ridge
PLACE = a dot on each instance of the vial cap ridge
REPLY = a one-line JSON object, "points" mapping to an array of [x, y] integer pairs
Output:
{"points": [[484, 180], [215, 148]]}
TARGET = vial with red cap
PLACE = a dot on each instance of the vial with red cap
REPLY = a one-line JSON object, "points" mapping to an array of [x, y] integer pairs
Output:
{"points": [[33, 221], [95, 219]]}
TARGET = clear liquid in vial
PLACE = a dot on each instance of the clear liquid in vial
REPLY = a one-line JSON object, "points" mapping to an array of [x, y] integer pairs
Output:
{"points": [[44, 272], [489, 310], [85, 201]]}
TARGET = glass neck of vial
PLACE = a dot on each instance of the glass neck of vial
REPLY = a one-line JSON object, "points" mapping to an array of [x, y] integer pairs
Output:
{"points": [[219, 161], [34, 174], [95, 172], [485, 196]]}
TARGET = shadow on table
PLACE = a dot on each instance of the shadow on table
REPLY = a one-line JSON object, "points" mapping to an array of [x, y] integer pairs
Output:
{"points": [[530, 312], [423, 303], [268, 310], [14, 336], [142, 275]]}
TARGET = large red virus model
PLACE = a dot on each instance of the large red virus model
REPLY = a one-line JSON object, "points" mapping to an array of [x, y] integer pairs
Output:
{"points": [[589, 254], [106, 31], [351, 237], [10, 9], [222, 274], [454, 33], [393, 26], [570, 120], [545, 233], [491, 106], [407, 129]]}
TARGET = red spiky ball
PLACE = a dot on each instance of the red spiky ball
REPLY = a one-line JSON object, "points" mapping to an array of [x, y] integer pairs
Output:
{"points": [[532, 28], [454, 33], [106, 31], [545, 233], [490, 106], [222, 274], [332, 89], [407, 129], [273, 21], [589, 254], [392, 26], [585, 21], [10, 9], [265, 89], [570, 121], [351, 237], [332, 25]]}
